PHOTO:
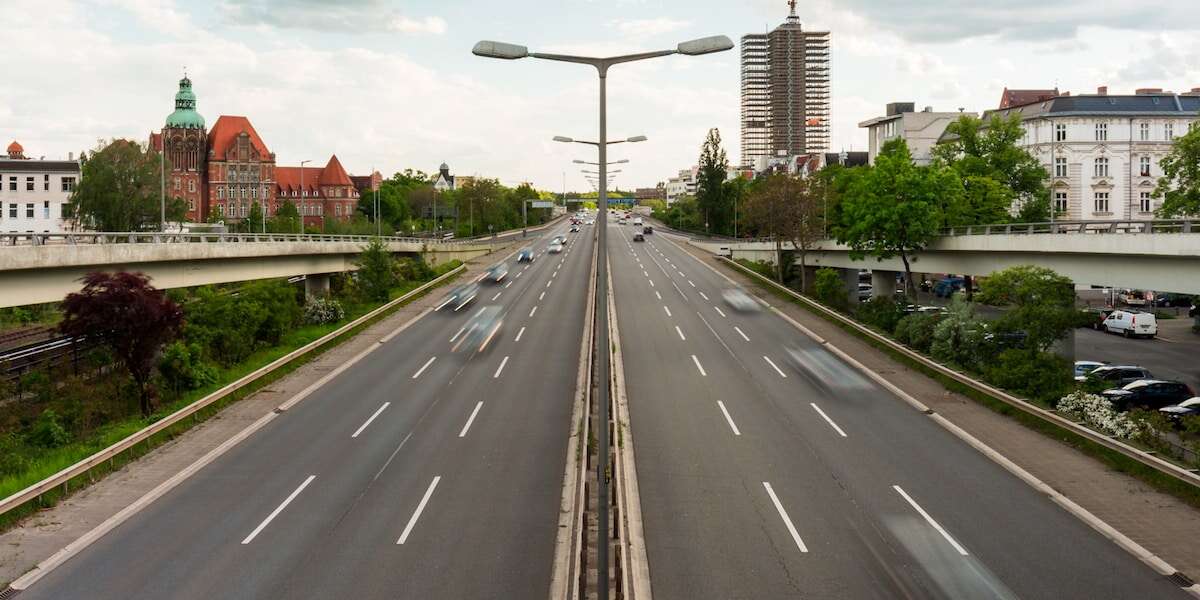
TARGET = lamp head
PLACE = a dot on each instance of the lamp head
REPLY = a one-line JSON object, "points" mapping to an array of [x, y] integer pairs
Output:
{"points": [[636, 138], [560, 138], [708, 45], [502, 50]]}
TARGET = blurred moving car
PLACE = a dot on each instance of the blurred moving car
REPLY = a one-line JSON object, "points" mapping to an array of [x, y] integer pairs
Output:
{"points": [[559, 239], [1083, 367], [825, 370], [1148, 393], [525, 254], [496, 273], [1118, 375], [637, 237], [460, 296], [555, 247], [574, 228], [480, 330], [737, 298], [647, 230], [1131, 324]]}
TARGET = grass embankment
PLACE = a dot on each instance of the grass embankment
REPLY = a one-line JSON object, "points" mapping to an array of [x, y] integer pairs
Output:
{"points": [[47, 462], [1113, 459]]}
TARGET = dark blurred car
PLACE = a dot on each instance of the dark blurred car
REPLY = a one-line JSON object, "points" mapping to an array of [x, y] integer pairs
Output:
{"points": [[1117, 375], [525, 255], [637, 237], [460, 296], [480, 330], [1148, 393], [946, 287], [647, 230], [1187, 408], [1171, 299], [1096, 316], [496, 273]]}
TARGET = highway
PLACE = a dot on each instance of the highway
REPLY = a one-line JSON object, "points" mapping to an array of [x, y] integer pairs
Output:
{"points": [[760, 481], [416, 473]]}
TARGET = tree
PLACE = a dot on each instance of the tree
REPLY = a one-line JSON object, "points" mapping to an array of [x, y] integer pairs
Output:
{"points": [[286, 219], [1039, 302], [788, 209], [254, 222], [894, 208], [376, 271], [710, 191], [120, 189], [977, 153], [1179, 187], [124, 312]]}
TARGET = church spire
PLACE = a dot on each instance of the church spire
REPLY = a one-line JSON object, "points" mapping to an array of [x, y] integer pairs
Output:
{"points": [[185, 114]]}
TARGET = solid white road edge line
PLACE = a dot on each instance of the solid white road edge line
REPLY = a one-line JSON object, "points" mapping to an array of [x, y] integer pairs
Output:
{"points": [[932, 523], [500, 368], [369, 419], [470, 420], [424, 366], [728, 418], [786, 519], [278, 509], [420, 508], [519, 334], [697, 361], [777, 369], [827, 419]]}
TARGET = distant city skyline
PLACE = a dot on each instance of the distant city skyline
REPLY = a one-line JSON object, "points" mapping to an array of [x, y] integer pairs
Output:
{"points": [[393, 85]]}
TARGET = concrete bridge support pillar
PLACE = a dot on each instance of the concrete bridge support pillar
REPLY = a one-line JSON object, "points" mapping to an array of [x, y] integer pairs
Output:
{"points": [[883, 284], [316, 286], [850, 280]]}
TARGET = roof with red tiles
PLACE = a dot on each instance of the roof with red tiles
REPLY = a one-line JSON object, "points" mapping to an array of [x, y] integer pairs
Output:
{"points": [[227, 129], [334, 174], [1020, 97], [288, 178]]}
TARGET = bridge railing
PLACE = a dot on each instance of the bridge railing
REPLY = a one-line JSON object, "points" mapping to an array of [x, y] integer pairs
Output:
{"points": [[154, 237], [1093, 227]]}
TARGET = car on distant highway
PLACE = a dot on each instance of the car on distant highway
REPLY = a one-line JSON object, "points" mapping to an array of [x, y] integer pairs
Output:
{"points": [[459, 296], [1117, 375], [1131, 324], [637, 237], [574, 228], [555, 248], [480, 330], [559, 239], [1187, 408], [637, 221], [647, 230], [1083, 367], [496, 273], [826, 370], [525, 254], [1148, 393], [739, 300]]}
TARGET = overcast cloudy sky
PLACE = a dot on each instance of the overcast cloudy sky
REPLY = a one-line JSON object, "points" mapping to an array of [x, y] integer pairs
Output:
{"points": [[392, 83]]}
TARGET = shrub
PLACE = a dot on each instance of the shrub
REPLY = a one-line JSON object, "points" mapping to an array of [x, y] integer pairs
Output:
{"points": [[881, 313], [319, 311], [47, 432], [413, 269], [183, 368], [278, 308], [916, 331], [830, 289], [1100, 414], [1038, 376], [376, 271], [958, 337], [12, 459]]}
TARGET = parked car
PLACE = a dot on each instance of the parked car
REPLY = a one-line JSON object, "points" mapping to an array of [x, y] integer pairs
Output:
{"points": [[1133, 297], [647, 230], [496, 273], [946, 287], [637, 237], [933, 310], [1083, 367], [864, 291], [1131, 324], [1149, 393], [459, 296], [1187, 408], [1171, 299], [737, 298], [525, 254], [1097, 317], [1116, 375]]}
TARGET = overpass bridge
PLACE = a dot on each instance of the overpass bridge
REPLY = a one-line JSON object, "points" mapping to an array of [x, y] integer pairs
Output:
{"points": [[45, 267], [1163, 256]]}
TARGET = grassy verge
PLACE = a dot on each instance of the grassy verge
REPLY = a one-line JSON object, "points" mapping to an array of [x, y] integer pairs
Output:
{"points": [[53, 461], [1113, 459]]}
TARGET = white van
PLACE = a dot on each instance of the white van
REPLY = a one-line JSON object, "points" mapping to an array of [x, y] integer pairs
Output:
{"points": [[637, 221], [1129, 323]]}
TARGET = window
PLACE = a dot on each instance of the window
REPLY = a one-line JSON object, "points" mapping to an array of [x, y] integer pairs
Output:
{"points": [[1169, 132], [177, 184], [29, 210], [1060, 132], [1060, 166], [220, 193], [45, 209], [12, 210], [12, 184], [1101, 202], [46, 182], [254, 193], [1101, 169], [1144, 132], [191, 185], [1144, 166], [1144, 202], [1060, 202], [338, 209], [191, 205], [1101, 132], [68, 184], [29, 184]]}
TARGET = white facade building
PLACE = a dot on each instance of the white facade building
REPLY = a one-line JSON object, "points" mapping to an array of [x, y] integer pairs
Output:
{"points": [[34, 192], [920, 130], [1103, 152], [683, 185]]}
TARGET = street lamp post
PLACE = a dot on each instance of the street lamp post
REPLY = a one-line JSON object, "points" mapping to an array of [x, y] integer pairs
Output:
{"points": [[303, 195], [505, 51]]}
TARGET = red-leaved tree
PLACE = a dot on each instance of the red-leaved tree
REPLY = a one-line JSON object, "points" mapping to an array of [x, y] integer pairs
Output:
{"points": [[130, 316]]}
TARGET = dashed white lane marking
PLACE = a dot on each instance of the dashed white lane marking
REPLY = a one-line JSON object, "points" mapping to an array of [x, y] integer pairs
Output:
{"points": [[460, 332], [369, 419], [702, 295], [929, 519], [424, 366], [777, 369], [519, 334], [737, 329], [657, 295], [719, 311], [500, 369], [680, 332], [549, 282], [278, 509], [786, 519], [692, 284], [728, 418], [697, 361], [541, 295], [533, 310], [507, 284], [828, 420], [420, 508], [470, 420], [496, 296], [668, 310], [651, 282]]}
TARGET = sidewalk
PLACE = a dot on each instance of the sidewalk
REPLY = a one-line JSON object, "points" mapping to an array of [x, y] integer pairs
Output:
{"points": [[1159, 522], [44, 533]]}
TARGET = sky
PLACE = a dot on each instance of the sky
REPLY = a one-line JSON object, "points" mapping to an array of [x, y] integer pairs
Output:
{"points": [[392, 84]]}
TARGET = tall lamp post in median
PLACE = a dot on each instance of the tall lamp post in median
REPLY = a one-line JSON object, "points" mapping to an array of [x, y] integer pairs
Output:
{"points": [[491, 49]]}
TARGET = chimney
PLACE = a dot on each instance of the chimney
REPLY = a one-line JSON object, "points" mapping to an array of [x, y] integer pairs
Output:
{"points": [[899, 108], [70, 156], [928, 109], [1102, 90]]}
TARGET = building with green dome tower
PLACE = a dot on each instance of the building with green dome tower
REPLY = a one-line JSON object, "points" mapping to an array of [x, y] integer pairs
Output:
{"points": [[185, 140]]}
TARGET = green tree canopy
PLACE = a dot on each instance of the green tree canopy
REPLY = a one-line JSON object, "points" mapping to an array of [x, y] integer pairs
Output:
{"points": [[1039, 302], [120, 189], [1179, 187], [711, 197], [978, 153]]}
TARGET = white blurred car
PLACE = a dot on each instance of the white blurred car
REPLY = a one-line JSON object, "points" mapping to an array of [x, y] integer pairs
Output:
{"points": [[555, 248], [740, 300]]}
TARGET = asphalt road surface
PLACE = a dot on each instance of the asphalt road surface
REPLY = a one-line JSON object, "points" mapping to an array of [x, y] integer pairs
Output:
{"points": [[416, 473], [759, 480]]}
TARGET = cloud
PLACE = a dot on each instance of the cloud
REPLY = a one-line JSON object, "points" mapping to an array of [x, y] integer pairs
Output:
{"points": [[647, 27], [322, 15]]}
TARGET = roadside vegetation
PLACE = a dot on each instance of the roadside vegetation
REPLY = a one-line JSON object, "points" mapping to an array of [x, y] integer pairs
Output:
{"points": [[161, 351]]}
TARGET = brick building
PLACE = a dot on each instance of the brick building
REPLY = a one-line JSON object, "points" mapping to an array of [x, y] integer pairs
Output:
{"points": [[318, 192]]}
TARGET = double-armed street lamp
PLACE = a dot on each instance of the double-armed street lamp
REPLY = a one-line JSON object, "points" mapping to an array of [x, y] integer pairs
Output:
{"points": [[501, 50]]}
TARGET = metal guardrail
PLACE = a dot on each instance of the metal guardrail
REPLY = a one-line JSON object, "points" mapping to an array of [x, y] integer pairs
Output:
{"points": [[1094, 227], [154, 237], [63, 477], [1146, 458]]}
